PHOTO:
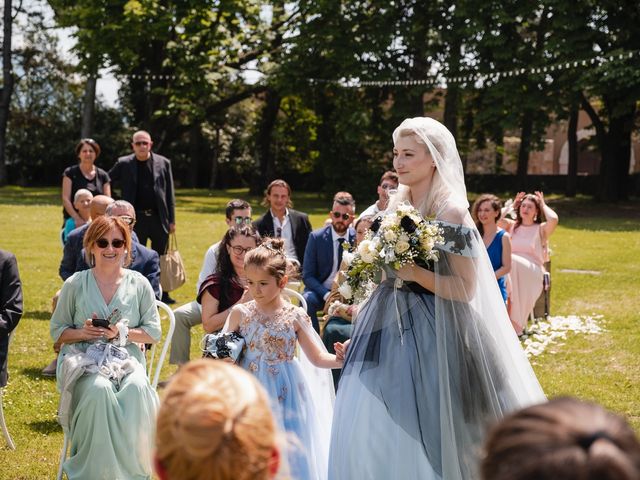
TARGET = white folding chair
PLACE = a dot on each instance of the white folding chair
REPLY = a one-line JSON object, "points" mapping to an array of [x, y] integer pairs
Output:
{"points": [[293, 294], [3, 425], [153, 373], [165, 346]]}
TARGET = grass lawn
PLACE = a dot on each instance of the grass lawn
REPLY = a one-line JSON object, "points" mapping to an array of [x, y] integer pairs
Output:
{"points": [[597, 238]]}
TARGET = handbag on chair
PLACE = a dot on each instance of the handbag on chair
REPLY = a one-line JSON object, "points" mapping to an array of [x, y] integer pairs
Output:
{"points": [[172, 273]]}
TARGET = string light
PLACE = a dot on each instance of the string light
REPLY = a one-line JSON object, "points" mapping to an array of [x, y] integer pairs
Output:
{"points": [[493, 77], [437, 80]]}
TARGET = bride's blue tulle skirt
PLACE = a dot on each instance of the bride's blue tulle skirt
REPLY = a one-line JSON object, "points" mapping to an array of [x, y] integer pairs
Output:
{"points": [[416, 393]]}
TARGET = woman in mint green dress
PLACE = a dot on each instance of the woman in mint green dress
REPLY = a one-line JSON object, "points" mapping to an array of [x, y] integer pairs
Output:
{"points": [[107, 405]]}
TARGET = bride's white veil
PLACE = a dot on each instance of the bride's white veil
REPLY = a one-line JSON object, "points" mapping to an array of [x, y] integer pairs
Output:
{"points": [[461, 366]]}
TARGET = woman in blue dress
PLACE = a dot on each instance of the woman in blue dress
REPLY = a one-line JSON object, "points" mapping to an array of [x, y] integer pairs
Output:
{"points": [[486, 212], [433, 358]]}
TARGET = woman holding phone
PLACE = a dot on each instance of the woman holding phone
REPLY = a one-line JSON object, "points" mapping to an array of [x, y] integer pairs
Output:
{"points": [[107, 406]]}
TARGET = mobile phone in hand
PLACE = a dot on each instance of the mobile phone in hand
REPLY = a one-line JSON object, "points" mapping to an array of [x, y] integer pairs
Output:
{"points": [[100, 322]]}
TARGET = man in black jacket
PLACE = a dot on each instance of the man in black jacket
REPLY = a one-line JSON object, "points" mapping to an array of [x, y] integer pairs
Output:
{"points": [[283, 221], [10, 306], [146, 181]]}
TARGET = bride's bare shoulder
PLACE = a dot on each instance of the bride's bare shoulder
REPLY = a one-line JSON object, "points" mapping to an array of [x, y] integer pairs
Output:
{"points": [[452, 212]]}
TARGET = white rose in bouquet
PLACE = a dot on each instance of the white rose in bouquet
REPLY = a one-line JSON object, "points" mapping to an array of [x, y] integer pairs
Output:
{"points": [[401, 247], [345, 291]]}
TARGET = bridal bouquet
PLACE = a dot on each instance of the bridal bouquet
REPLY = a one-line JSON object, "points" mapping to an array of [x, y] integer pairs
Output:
{"points": [[395, 240]]}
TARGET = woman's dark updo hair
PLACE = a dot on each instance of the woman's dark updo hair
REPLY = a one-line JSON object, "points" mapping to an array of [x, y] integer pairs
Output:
{"points": [[563, 439]]}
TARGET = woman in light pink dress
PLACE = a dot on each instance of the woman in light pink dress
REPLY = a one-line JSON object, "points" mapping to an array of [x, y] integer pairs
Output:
{"points": [[529, 237]]}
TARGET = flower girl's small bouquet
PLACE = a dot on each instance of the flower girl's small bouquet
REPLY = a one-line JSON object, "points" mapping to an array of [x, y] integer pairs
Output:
{"points": [[394, 240]]}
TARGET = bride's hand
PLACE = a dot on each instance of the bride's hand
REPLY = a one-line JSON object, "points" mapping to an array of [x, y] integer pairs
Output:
{"points": [[408, 272]]}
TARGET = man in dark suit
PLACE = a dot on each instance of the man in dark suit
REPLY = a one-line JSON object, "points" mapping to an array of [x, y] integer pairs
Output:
{"points": [[146, 181], [10, 307], [283, 221], [323, 254]]}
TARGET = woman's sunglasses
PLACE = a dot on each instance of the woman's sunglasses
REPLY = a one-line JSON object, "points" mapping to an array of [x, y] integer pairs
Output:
{"points": [[345, 216], [115, 243], [239, 250], [242, 220]]}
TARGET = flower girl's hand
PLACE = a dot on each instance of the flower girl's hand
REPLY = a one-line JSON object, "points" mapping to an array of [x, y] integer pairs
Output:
{"points": [[540, 196], [341, 349]]}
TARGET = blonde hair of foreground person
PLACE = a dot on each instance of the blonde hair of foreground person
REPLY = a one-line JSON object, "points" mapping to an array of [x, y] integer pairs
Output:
{"points": [[563, 439], [215, 423]]}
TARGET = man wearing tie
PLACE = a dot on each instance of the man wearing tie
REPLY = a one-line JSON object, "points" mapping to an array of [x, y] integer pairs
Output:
{"points": [[323, 254]]}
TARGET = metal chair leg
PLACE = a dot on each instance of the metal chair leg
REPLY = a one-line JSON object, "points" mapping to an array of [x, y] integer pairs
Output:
{"points": [[3, 425]]}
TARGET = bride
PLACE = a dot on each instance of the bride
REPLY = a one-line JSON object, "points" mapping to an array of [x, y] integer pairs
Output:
{"points": [[415, 405]]}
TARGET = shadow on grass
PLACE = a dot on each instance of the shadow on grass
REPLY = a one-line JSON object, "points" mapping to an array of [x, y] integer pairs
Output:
{"points": [[582, 214], [45, 426], [35, 374], [13, 195], [38, 314]]}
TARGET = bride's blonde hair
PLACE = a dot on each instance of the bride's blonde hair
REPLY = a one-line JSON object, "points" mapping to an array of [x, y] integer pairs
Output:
{"points": [[215, 423]]}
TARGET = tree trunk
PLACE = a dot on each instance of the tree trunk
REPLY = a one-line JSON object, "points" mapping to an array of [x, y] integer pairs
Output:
{"points": [[89, 106], [615, 150], [572, 139], [215, 155], [614, 185], [498, 140], [195, 153], [264, 152], [451, 109], [525, 149], [7, 87]]}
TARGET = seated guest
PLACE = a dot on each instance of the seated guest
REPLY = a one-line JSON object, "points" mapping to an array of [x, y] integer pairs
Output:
{"points": [[82, 204], [564, 439], [339, 311], [222, 290], [486, 212], [237, 213], [215, 422], [323, 254], [10, 307], [388, 181], [73, 246], [143, 260], [107, 406]]}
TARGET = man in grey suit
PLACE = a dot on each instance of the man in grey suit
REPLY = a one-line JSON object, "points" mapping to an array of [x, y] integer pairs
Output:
{"points": [[10, 306], [146, 181]]}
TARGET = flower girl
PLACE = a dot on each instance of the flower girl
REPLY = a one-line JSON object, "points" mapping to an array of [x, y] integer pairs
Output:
{"points": [[301, 392]]}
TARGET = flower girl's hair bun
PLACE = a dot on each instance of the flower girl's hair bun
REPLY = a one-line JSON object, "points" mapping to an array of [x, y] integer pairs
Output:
{"points": [[271, 256]]}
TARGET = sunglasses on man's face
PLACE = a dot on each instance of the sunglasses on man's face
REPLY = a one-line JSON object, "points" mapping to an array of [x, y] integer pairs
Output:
{"points": [[238, 250], [115, 243], [388, 186], [345, 216], [141, 144], [242, 220], [129, 220]]}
